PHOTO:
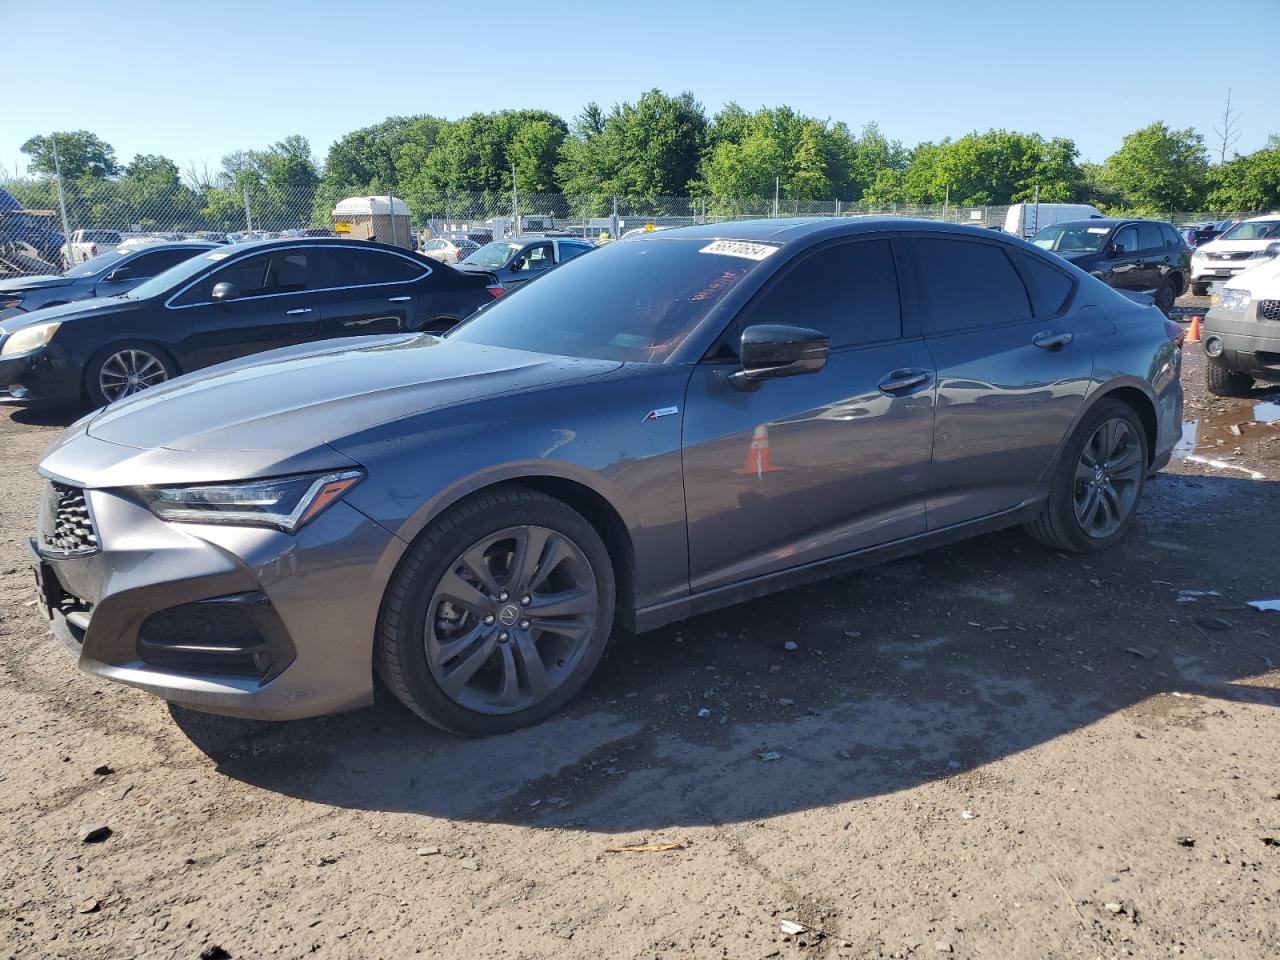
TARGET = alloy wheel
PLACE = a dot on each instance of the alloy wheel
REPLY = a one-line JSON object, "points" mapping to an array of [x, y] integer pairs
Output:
{"points": [[127, 372], [1108, 476], [511, 619]]}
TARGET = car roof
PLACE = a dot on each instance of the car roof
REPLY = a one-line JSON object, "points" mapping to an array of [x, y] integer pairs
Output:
{"points": [[800, 230], [173, 245], [285, 242], [1265, 218]]}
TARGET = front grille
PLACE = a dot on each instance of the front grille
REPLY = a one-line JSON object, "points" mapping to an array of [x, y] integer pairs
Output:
{"points": [[67, 526], [1233, 255], [1269, 309]]}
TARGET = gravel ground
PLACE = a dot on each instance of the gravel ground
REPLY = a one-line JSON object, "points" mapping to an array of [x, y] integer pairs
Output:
{"points": [[990, 750]]}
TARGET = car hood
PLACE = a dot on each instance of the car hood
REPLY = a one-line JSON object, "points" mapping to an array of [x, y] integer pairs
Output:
{"points": [[293, 400], [21, 284], [67, 312], [1235, 246], [1262, 281], [1080, 255]]}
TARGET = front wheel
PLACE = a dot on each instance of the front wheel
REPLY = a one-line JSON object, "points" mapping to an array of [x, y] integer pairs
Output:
{"points": [[1199, 289], [1098, 482], [1166, 293], [498, 614], [1222, 381], [124, 369]]}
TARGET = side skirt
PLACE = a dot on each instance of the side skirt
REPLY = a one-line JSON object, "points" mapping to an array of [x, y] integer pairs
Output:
{"points": [[659, 615]]}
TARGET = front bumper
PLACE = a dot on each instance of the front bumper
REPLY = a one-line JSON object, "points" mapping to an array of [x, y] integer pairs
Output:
{"points": [[1207, 271], [1249, 343], [41, 376], [323, 587]]}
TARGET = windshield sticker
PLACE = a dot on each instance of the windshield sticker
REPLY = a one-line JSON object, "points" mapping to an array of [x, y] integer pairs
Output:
{"points": [[217, 256], [1099, 229], [739, 248]]}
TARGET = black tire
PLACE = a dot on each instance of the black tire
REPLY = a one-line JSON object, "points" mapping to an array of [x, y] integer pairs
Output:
{"points": [[400, 654], [1166, 293], [1222, 381], [1199, 289], [1057, 525], [93, 370]]}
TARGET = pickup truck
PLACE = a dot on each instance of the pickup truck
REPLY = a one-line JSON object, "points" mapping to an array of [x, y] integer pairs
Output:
{"points": [[87, 244]]}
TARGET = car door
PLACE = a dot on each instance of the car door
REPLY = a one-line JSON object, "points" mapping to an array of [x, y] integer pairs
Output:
{"points": [[1126, 270], [274, 305], [130, 272], [365, 290], [805, 468], [1013, 360], [1155, 255], [529, 263]]}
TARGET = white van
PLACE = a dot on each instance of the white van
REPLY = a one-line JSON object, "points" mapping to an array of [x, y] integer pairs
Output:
{"points": [[1024, 219]]}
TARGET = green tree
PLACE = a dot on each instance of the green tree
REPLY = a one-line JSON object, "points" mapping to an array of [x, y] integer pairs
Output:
{"points": [[280, 183], [649, 148], [1246, 183], [1159, 169], [80, 154]]}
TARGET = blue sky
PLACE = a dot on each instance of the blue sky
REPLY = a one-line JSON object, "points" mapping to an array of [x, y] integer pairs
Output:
{"points": [[196, 81]]}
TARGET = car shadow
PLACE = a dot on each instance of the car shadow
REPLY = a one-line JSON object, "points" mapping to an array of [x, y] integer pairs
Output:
{"points": [[47, 416], [917, 670]]}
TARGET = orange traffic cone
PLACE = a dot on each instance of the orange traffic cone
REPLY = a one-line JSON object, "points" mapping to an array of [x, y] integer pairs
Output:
{"points": [[757, 460], [1194, 335]]}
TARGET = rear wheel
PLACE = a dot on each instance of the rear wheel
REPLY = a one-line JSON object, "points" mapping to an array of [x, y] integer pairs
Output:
{"points": [[1222, 381], [124, 369], [498, 614], [1199, 289], [1098, 482]]}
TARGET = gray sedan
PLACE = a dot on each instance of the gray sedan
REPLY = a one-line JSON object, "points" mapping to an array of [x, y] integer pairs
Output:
{"points": [[108, 275], [677, 422]]}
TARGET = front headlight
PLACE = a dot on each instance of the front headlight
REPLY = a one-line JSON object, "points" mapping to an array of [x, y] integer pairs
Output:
{"points": [[1231, 299], [29, 338], [286, 503], [1199, 255]]}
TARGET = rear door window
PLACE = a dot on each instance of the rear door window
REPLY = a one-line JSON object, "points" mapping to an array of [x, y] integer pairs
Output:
{"points": [[537, 257], [151, 264], [352, 267], [1170, 235], [965, 285], [1149, 237], [849, 291], [1049, 287]]}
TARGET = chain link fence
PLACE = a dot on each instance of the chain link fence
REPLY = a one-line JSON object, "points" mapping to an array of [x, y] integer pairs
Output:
{"points": [[37, 216]]}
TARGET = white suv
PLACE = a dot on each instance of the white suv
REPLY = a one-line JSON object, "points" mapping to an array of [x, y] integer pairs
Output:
{"points": [[1243, 246]]}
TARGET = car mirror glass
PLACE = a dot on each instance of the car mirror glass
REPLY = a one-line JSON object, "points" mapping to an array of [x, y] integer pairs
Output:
{"points": [[224, 291]]}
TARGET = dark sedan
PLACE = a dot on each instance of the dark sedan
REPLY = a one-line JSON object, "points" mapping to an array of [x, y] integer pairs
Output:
{"points": [[1147, 256], [222, 305], [676, 422], [520, 259], [109, 275]]}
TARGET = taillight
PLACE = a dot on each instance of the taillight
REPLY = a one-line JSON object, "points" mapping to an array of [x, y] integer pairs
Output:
{"points": [[495, 290], [1175, 331]]}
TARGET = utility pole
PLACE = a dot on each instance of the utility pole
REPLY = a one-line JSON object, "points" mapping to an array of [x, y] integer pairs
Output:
{"points": [[1035, 223], [515, 201], [777, 181], [62, 200], [248, 215]]}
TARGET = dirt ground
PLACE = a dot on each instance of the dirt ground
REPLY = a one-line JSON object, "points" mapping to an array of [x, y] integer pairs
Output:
{"points": [[990, 750]]}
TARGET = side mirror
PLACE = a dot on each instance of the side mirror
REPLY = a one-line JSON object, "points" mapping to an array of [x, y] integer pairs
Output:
{"points": [[224, 291], [1272, 251], [772, 350], [1117, 250], [118, 274]]}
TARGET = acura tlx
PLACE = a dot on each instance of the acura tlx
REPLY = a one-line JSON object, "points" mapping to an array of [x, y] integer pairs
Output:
{"points": [[660, 427]]}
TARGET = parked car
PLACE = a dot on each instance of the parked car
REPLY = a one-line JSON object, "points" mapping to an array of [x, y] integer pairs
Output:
{"points": [[106, 275], [87, 244], [26, 237], [1027, 219], [1195, 234], [223, 305], [449, 248], [1233, 251], [1242, 331], [1143, 255], [515, 261], [674, 423]]}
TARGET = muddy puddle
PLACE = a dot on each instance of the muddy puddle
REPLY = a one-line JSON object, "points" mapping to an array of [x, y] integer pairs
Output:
{"points": [[1224, 440]]}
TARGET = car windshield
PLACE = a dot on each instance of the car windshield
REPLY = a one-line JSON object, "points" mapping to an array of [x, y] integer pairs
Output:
{"points": [[166, 280], [1071, 238], [1254, 230], [96, 265], [495, 254], [630, 301]]}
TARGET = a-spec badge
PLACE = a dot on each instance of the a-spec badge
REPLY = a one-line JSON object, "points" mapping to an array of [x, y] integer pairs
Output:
{"points": [[660, 412]]}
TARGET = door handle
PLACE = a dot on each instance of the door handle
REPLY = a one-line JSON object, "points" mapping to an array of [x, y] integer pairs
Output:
{"points": [[901, 380], [398, 299], [1051, 341], [294, 313]]}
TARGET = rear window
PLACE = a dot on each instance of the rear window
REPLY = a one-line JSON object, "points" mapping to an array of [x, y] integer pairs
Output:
{"points": [[1049, 287], [629, 301], [967, 285]]}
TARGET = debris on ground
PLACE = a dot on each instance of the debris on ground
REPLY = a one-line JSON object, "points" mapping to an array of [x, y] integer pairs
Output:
{"points": [[853, 634], [967, 815], [1265, 604], [792, 927], [1113, 907], [791, 645], [428, 851], [786, 702], [1145, 653], [471, 865], [942, 946], [214, 952], [646, 847], [1270, 842], [1186, 841], [1215, 623], [704, 713], [103, 771], [89, 906], [94, 832], [770, 755], [123, 791]]}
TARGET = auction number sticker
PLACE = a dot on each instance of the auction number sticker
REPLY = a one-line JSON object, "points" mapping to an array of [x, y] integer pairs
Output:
{"points": [[1099, 229], [739, 248]]}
